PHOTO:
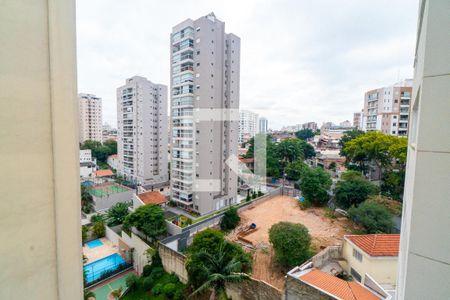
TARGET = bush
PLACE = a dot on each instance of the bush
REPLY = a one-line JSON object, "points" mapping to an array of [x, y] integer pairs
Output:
{"points": [[230, 219], [147, 270], [84, 233], [374, 217], [248, 198], [169, 289], [291, 243], [147, 283], [157, 273], [354, 191], [156, 290], [96, 218], [149, 219], [178, 294], [99, 229], [132, 282], [173, 278], [260, 194], [254, 195]]}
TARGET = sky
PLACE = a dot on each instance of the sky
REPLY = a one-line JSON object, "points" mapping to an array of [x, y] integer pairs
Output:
{"points": [[301, 60]]}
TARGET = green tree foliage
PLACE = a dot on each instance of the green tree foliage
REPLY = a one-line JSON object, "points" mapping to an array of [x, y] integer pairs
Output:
{"points": [[99, 151], [353, 191], [230, 219], [212, 242], [291, 243], [116, 214], [217, 269], [332, 166], [295, 169], [348, 136], [351, 175], [132, 282], [98, 229], [393, 184], [87, 203], [375, 217], [148, 219], [314, 185], [84, 233], [304, 134], [290, 150]]}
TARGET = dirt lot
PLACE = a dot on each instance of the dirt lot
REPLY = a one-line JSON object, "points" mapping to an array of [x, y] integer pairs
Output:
{"points": [[324, 231]]}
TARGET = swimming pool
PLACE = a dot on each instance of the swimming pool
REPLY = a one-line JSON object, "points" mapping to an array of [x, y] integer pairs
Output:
{"points": [[94, 243], [94, 270]]}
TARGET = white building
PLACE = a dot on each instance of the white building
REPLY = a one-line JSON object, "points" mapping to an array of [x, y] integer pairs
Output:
{"points": [[263, 125], [424, 261], [310, 125], [387, 109], [90, 109], [142, 131], [87, 164], [205, 68], [248, 125]]}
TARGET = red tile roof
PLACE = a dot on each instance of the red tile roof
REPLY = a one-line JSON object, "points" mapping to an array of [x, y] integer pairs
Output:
{"points": [[341, 289], [152, 197], [246, 160], [377, 244], [103, 173]]}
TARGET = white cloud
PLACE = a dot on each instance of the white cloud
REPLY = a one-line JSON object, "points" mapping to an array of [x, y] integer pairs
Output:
{"points": [[300, 60]]}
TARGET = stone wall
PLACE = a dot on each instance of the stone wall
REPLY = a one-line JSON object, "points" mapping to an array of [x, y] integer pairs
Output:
{"points": [[253, 289], [173, 261], [298, 290]]}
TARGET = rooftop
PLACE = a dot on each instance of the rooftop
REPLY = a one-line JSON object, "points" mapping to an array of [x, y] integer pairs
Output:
{"points": [[376, 244], [341, 289], [107, 189], [104, 173], [152, 197]]}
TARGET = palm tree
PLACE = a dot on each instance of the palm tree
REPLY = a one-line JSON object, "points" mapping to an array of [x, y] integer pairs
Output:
{"points": [[218, 270], [88, 295], [87, 203]]}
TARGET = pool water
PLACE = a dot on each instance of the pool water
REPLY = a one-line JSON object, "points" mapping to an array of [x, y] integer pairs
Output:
{"points": [[94, 244], [95, 269]]}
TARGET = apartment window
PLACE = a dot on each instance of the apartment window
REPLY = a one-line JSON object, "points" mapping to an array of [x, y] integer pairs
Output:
{"points": [[198, 64], [355, 274], [197, 29], [357, 255], [198, 52]]}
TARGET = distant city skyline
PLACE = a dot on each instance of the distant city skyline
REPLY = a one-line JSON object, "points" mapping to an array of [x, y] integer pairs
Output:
{"points": [[321, 74]]}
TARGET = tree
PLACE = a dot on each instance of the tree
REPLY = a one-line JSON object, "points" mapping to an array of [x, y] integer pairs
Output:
{"points": [[88, 295], [84, 233], [116, 293], [149, 219], [291, 243], [132, 282], [393, 183], [112, 146], [374, 217], [351, 175], [353, 191], [290, 150], [116, 214], [314, 184], [308, 150], [230, 219], [217, 270], [99, 229], [87, 203], [210, 241], [99, 151], [348, 136], [304, 134], [295, 169], [332, 166]]}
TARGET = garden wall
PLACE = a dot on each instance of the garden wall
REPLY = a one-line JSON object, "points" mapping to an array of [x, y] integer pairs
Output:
{"points": [[173, 261], [253, 289], [298, 290]]}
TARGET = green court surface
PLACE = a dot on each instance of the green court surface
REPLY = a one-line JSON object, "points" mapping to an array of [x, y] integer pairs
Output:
{"points": [[103, 191], [101, 293]]}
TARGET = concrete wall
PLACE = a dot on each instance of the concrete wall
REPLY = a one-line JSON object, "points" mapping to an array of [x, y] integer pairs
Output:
{"points": [[112, 236], [140, 258], [424, 259], [173, 261], [298, 290], [40, 204], [252, 289], [103, 203]]}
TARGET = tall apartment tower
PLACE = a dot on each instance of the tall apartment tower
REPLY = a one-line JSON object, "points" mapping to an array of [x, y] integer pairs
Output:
{"points": [[90, 110], [248, 125], [142, 131], [310, 125], [205, 67], [357, 120], [263, 125], [387, 109]]}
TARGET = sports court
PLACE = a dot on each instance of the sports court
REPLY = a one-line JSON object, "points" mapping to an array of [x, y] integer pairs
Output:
{"points": [[102, 290]]}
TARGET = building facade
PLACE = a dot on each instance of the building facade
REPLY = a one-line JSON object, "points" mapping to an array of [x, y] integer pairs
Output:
{"points": [[357, 120], [90, 110], [205, 68], [310, 125], [424, 258], [142, 142], [263, 125], [248, 125], [387, 109]]}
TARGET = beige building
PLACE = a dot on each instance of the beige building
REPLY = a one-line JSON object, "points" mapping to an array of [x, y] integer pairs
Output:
{"points": [[357, 120], [90, 111], [387, 109], [372, 255], [40, 255], [424, 261]]}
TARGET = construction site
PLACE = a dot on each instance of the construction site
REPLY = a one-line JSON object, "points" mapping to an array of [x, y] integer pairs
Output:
{"points": [[256, 220]]}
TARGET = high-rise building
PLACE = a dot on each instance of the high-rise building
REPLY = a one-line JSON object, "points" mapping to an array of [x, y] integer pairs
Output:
{"points": [[40, 256], [357, 120], [90, 110], [310, 125], [142, 140], [248, 125], [346, 123], [424, 260], [263, 125], [387, 109], [205, 69]]}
